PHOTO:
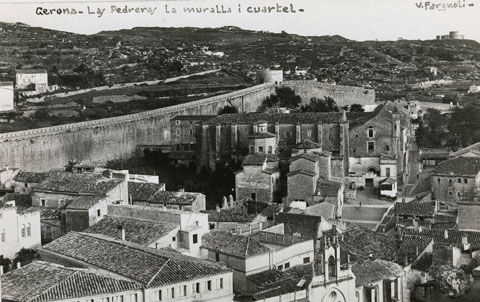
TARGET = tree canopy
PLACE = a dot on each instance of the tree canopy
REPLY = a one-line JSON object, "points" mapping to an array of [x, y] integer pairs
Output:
{"points": [[327, 104], [284, 97]]}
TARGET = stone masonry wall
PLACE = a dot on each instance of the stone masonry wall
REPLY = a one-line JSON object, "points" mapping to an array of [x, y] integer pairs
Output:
{"points": [[115, 138]]}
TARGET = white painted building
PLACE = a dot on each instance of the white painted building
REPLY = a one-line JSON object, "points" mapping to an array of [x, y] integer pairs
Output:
{"points": [[18, 229], [6, 96], [32, 79]]}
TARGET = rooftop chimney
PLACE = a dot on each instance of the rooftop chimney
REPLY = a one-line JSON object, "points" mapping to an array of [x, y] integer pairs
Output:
{"points": [[224, 203], [445, 234], [121, 232], [217, 208], [19, 265], [423, 278], [416, 251]]}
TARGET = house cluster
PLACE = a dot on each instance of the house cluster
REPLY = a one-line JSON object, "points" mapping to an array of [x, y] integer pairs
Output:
{"points": [[327, 153]]}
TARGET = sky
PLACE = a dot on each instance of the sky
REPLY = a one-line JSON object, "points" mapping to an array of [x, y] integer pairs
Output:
{"points": [[354, 19]]}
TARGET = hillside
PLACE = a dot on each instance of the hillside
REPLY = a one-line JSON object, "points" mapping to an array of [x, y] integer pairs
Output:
{"points": [[140, 54]]}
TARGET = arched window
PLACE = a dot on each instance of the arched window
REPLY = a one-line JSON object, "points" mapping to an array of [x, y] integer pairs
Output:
{"points": [[29, 230], [23, 231], [332, 267], [357, 296], [3, 236], [371, 132]]}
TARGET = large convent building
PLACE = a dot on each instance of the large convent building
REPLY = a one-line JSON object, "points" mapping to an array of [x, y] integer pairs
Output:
{"points": [[360, 143]]}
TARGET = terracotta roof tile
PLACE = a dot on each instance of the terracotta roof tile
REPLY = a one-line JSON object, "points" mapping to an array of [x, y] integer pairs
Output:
{"points": [[419, 209], [140, 231], [30, 177], [147, 266], [43, 281], [234, 245], [84, 202], [368, 271], [362, 243], [78, 183], [230, 215], [464, 166], [178, 198], [143, 191]]}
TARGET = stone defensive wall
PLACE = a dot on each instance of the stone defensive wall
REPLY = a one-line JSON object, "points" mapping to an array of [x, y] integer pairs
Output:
{"points": [[343, 95], [101, 140]]}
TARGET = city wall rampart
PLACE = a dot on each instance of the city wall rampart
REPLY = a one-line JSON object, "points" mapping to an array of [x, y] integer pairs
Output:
{"points": [[101, 140], [343, 95]]}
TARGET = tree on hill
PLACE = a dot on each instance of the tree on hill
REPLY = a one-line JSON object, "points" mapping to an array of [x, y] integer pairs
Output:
{"points": [[284, 97], [356, 108], [318, 105]]}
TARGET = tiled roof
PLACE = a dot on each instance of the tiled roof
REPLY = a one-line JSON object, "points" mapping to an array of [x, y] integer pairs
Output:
{"points": [[43, 281], [428, 153], [362, 243], [328, 188], [305, 172], [84, 202], [309, 156], [458, 166], [454, 236], [140, 231], [259, 135], [78, 183], [49, 214], [419, 209], [234, 245], [230, 215], [169, 197], [367, 272], [307, 144], [305, 225], [142, 191], [30, 177], [147, 266], [273, 283], [408, 247]]}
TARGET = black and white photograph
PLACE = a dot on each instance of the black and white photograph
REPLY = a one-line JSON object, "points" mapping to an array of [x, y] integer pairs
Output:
{"points": [[239, 151]]}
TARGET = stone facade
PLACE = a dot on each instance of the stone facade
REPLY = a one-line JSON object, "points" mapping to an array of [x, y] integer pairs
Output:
{"points": [[6, 96]]}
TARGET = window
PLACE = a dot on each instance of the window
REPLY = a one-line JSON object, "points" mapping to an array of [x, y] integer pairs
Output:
{"points": [[190, 132], [26, 185], [174, 238], [209, 285], [197, 287], [449, 181], [438, 179], [23, 231], [177, 132], [195, 238], [184, 290], [196, 223], [387, 172], [172, 292], [99, 213], [387, 148], [459, 180], [43, 201], [217, 257], [354, 150], [270, 149], [450, 193], [260, 149], [3, 236], [29, 230], [287, 265], [252, 149], [465, 181], [280, 267], [221, 282], [253, 196], [177, 122], [306, 260], [370, 147], [160, 295], [370, 131], [309, 132], [135, 298], [211, 226]]}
